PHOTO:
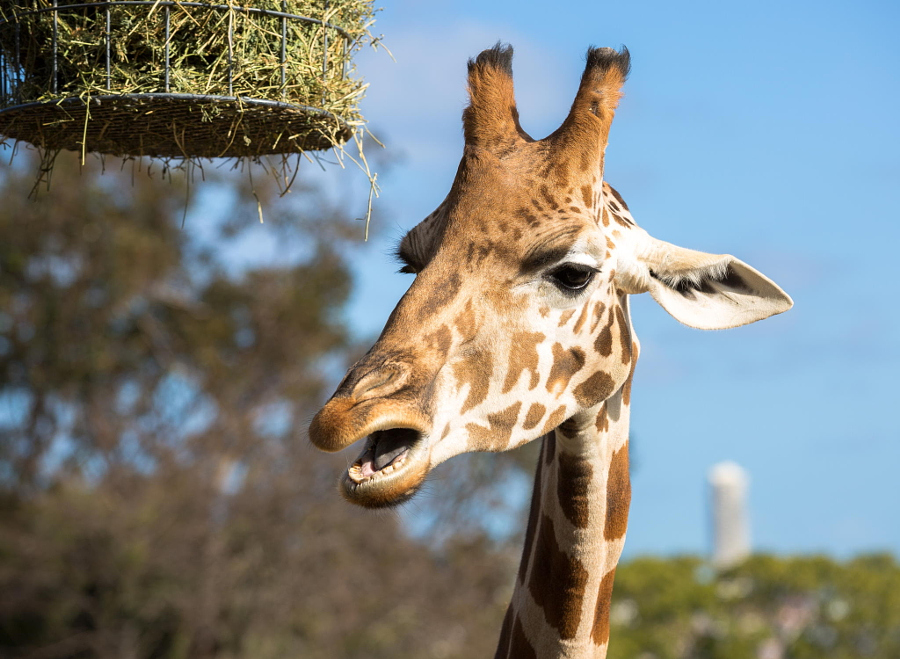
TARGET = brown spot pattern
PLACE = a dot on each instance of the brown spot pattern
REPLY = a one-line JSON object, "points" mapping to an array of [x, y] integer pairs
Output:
{"points": [[595, 389], [529, 217], [624, 335], [600, 630], [618, 495], [465, 323], [533, 517], [549, 447], [441, 295], [520, 648], [555, 419], [615, 193], [567, 429], [523, 356], [499, 430], [603, 342], [598, 315], [588, 195], [565, 315], [534, 416], [551, 201], [557, 582], [573, 486], [581, 318], [475, 371], [566, 363], [602, 422], [585, 160], [621, 220], [505, 635], [626, 388], [440, 340]]}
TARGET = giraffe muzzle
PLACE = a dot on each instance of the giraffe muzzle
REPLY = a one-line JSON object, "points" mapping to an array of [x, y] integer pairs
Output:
{"points": [[395, 457], [345, 420], [390, 469]]}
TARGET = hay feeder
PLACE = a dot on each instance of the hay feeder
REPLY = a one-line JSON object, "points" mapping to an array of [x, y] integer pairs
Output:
{"points": [[183, 80]]}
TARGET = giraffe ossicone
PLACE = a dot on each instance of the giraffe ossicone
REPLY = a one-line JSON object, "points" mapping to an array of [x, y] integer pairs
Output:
{"points": [[516, 328]]}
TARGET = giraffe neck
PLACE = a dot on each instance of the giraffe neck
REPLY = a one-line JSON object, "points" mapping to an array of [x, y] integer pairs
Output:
{"points": [[575, 534]]}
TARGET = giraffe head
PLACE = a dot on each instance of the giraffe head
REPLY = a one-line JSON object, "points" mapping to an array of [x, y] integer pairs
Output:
{"points": [[517, 321]]}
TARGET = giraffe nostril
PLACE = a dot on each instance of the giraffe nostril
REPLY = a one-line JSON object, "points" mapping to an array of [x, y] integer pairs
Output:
{"points": [[382, 381]]}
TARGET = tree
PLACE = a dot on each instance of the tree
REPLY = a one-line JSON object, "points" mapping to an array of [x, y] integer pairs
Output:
{"points": [[159, 497], [770, 607]]}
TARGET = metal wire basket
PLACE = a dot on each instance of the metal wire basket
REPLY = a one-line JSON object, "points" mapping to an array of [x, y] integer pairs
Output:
{"points": [[172, 79]]}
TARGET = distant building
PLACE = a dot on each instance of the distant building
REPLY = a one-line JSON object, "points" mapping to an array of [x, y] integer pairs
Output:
{"points": [[731, 528]]}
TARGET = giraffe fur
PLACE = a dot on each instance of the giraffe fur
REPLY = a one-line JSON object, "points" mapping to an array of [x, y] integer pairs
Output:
{"points": [[516, 329]]}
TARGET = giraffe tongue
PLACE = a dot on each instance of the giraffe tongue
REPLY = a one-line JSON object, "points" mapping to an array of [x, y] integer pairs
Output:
{"points": [[383, 448], [391, 444]]}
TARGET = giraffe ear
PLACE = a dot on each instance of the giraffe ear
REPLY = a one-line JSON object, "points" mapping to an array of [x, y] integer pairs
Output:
{"points": [[706, 291]]}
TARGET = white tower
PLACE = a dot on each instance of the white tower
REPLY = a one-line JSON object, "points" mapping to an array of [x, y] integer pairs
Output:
{"points": [[731, 530]]}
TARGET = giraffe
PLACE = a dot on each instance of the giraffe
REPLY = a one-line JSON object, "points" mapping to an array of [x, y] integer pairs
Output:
{"points": [[517, 328]]}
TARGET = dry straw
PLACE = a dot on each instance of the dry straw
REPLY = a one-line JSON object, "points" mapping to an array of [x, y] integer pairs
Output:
{"points": [[182, 80]]}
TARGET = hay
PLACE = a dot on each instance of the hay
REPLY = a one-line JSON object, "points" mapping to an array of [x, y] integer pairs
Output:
{"points": [[230, 80]]}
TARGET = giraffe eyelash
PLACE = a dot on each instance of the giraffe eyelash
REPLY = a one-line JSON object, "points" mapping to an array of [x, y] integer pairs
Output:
{"points": [[406, 264], [567, 277]]}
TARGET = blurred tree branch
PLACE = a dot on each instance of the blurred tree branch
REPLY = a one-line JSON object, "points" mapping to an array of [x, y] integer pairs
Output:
{"points": [[159, 497]]}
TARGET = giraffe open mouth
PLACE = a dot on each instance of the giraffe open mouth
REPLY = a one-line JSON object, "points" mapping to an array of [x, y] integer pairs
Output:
{"points": [[385, 451], [388, 471]]}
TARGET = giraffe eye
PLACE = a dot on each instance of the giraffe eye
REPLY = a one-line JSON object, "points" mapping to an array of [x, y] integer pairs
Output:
{"points": [[571, 277]]}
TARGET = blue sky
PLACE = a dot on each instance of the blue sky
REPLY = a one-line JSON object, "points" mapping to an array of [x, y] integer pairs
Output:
{"points": [[766, 130]]}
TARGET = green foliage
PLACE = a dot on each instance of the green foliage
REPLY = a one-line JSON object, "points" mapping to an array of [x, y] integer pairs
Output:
{"points": [[768, 608], [158, 495]]}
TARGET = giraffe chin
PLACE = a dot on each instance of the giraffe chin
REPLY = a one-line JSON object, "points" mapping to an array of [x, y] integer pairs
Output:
{"points": [[389, 471]]}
